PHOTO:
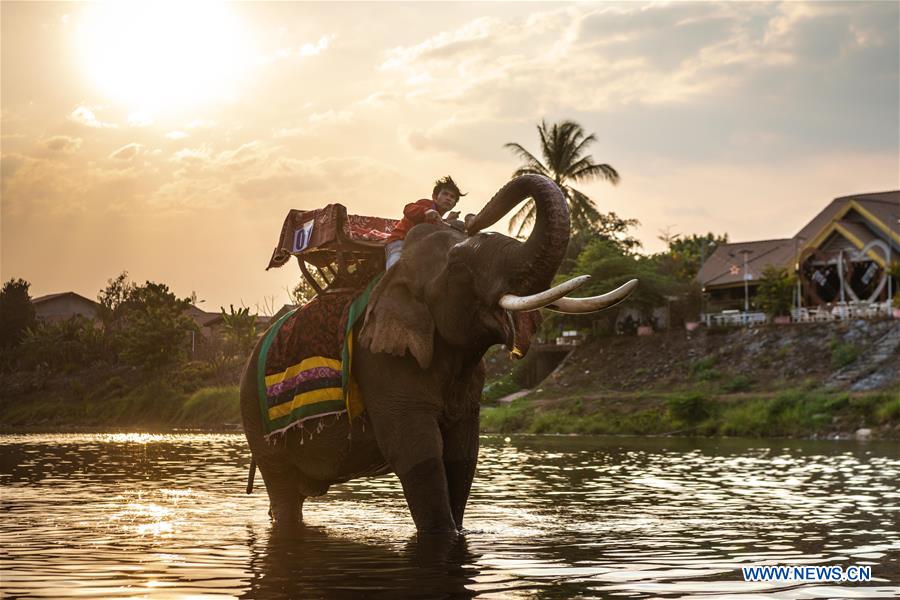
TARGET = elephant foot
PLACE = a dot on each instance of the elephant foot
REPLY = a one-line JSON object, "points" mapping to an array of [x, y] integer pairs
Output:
{"points": [[286, 513], [425, 488]]}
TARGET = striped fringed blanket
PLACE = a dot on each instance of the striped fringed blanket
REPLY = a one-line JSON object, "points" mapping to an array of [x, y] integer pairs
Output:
{"points": [[304, 368]]}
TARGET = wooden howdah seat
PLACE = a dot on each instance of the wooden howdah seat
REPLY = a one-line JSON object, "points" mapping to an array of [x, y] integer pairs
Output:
{"points": [[344, 250]]}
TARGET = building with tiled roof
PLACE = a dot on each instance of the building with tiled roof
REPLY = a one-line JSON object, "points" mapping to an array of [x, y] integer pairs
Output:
{"points": [[64, 306], [842, 254]]}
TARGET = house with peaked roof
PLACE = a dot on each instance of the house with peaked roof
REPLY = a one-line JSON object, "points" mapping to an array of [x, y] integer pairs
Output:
{"points": [[842, 255], [207, 322], [63, 306]]}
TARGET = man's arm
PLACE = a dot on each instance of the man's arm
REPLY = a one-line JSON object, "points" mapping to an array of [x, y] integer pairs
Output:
{"points": [[416, 211]]}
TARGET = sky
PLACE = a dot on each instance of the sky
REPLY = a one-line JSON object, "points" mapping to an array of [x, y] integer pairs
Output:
{"points": [[169, 140]]}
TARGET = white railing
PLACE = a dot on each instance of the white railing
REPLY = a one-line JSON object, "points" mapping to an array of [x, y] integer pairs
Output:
{"points": [[829, 312], [840, 311], [733, 318]]}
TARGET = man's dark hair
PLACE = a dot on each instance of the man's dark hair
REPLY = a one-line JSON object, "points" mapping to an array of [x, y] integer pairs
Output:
{"points": [[446, 182]]}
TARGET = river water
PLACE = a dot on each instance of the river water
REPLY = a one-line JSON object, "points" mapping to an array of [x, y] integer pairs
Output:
{"points": [[166, 516]]}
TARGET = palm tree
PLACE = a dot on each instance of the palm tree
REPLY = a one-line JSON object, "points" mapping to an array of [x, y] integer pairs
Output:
{"points": [[562, 145]]}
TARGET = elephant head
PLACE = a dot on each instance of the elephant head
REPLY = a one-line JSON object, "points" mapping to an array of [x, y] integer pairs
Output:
{"points": [[474, 289]]}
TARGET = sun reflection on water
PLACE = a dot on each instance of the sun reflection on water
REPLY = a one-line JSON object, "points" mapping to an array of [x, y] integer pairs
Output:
{"points": [[165, 516]]}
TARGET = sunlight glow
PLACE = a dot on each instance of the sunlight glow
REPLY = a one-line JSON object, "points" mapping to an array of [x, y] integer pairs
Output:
{"points": [[134, 438], [153, 57]]}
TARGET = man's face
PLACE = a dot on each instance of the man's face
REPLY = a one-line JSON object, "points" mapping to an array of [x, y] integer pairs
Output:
{"points": [[445, 200]]}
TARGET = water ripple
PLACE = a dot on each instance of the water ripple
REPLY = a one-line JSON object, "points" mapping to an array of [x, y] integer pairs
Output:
{"points": [[164, 516]]}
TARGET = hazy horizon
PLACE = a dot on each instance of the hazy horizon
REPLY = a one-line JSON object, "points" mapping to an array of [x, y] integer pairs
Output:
{"points": [[170, 140]]}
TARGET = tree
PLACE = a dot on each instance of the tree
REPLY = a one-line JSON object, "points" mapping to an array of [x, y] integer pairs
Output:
{"points": [[303, 292], [688, 253], [16, 312], [609, 266], [147, 324], [240, 330], [774, 295], [562, 147], [61, 346]]}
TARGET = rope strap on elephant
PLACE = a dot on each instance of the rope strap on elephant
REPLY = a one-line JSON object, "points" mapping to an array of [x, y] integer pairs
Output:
{"points": [[304, 369]]}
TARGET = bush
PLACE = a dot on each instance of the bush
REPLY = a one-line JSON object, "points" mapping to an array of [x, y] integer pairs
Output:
{"points": [[738, 383], [843, 354], [775, 292], [500, 388], [689, 408], [145, 325], [212, 406], [505, 419], [61, 346], [889, 411], [192, 375], [16, 312], [703, 369]]}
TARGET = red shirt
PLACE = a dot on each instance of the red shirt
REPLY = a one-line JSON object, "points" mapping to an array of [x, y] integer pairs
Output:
{"points": [[413, 214]]}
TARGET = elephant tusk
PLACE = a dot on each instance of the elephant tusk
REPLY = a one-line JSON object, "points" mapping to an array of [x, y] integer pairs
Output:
{"points": [[577, 306], [541, 299]]}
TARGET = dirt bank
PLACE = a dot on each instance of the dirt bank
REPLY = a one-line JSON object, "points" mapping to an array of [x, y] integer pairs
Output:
{"points": [[828, 379]]}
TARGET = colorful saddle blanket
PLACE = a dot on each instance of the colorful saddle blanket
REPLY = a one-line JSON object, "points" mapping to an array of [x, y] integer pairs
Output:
{"points": [[304, 369]]}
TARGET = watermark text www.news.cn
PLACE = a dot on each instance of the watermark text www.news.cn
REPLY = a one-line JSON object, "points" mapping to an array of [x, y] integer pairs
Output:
{"points": [[833, 573]]}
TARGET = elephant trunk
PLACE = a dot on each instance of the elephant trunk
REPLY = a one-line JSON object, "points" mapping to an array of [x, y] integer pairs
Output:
{"points": [[535, 262]]}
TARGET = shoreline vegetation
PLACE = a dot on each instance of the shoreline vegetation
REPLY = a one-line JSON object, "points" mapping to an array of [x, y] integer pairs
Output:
{"points": [[158, 406], [793, 413]]}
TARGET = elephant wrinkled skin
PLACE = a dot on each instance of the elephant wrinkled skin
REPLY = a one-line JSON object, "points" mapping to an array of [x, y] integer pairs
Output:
{"points": [[419, 361]]}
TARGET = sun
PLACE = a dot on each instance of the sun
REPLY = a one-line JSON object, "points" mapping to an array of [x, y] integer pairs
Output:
{"points": [[154, 56]]}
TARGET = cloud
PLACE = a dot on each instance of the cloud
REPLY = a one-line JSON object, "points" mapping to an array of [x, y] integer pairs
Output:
{"points": [[379, 99], [62, 144], [246, 155], [39, 186], [192, 155], [313, 180], [201, 124], [600, 58], [9, 166], [176, 135], [331, 116], [289, 132], [140, 119], [317, 48], [127, 152], [443, 46], [304, 50], [468, 137], [85, 116], [744, 80]]}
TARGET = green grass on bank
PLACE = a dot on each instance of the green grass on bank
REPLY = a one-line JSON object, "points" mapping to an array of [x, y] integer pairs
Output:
{"points": [[211, 405], [150, 404], [791, 413]]}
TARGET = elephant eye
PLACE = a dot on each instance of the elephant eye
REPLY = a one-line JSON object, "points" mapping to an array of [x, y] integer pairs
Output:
{"points": [[457, 268]]}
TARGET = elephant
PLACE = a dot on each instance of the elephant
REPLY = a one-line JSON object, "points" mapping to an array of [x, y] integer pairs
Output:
{"points": [[418, 360]]}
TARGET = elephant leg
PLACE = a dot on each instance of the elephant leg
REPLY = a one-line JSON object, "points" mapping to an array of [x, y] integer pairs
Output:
{"points": [[285, 497], [460, 458], [425, 489], [411, 443]]}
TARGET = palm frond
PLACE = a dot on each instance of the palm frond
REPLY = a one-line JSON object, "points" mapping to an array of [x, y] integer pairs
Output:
{"points": [[583, 144], [523, 218], [563, 147], [592, 170], [584, 211], [532, 171]]}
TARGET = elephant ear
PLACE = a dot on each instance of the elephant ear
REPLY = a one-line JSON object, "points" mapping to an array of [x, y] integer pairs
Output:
{"points": [[397, 321]]}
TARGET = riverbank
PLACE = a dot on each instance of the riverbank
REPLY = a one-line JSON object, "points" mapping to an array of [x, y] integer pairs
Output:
{"points": [[810, 380], [117, 398], [791, 413], [764, 382]]}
